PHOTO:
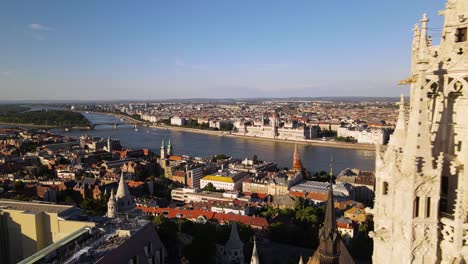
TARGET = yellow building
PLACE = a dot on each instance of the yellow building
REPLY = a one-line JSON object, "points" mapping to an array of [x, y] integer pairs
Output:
{"points": [[27, 227]]}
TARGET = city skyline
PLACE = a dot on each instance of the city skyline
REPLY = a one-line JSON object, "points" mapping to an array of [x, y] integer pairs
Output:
{"points": [[182, 49]]}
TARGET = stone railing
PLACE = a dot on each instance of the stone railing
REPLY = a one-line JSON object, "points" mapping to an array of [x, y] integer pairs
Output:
{"points": [[448, 232], [448, 229]]}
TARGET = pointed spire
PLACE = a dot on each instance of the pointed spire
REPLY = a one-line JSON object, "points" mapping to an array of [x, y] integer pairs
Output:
{"points": [[418, 147], [112, 197], [163, 150], [300, 260], [255, 259], [122, 191], [329, 236], [330, 222], [424, 40], [399, 135], [234, 240], [169, 148], [297, 164]]}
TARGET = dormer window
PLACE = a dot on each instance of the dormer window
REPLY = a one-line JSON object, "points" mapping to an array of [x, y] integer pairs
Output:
{"points": [[460, 35]]}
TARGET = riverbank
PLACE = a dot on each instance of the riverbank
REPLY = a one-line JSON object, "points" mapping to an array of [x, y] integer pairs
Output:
{"points": [[26, 125], [320, 143], [309, 142]]}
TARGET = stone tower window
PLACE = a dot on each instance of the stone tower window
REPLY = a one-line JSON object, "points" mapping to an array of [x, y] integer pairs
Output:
{"points": [[460, 35], [428, 207], [416, 207], [385, 188]]}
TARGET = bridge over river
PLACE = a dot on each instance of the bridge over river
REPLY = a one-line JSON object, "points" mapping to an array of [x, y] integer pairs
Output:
{"points": [[114, 120]]}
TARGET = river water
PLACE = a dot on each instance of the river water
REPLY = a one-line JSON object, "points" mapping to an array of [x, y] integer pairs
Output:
{"points": [[314, 158]]}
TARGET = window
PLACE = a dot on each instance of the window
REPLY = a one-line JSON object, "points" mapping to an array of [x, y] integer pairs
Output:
{"points": [[460, 35], [416, 207], [385, 188], [444, 186], [428, 207]]}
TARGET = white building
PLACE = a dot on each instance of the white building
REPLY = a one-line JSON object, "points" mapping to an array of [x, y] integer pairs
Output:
{"points": [[178, 121], [225, 180], [421, 203], [365, 135]]}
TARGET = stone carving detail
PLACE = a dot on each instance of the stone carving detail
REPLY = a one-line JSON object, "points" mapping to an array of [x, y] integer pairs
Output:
{"points": [[425, 186], [381, 234], [422, 241]]}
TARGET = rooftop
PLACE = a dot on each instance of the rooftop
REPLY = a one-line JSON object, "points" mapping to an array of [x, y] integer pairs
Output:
{"points": [[34, 206]]}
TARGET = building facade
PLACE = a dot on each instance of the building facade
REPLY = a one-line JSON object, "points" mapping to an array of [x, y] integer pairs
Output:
{"points": [[421, 178]]}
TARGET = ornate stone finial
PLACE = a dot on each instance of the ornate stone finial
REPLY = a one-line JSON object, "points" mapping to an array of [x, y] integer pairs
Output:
{"points": [[416, 29], [402, 102], [424, 19]]}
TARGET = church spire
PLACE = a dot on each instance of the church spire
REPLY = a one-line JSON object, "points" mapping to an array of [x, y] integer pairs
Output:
{"points": [[329, 236], [122, 190], [399, 135], [234, 248], [300, 260], [234, 240], [297, 164], [255, 259], [169, 148], [163, 150]]}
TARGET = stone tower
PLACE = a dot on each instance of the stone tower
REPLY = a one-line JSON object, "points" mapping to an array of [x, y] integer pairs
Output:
{"points": [[112, 206], [421, 203]]}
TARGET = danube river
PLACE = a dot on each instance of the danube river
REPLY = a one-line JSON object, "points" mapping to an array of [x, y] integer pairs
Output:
{"points": [[314, 158]]}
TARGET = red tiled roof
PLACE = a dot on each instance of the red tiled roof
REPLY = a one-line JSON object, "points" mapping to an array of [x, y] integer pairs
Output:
{"points": [[318, 196], [259, 222], [135, 183], [175, 158], [296, 194]]}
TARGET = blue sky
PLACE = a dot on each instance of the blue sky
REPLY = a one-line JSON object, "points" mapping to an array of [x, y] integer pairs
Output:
{"points": [[206, 49]]}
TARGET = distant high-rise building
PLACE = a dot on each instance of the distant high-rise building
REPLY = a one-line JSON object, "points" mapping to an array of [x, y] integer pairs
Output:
{"points": [[421, 200]]}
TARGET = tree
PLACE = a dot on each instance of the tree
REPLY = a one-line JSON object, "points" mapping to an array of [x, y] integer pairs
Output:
{"points": [[18, 185], [210, 188]]}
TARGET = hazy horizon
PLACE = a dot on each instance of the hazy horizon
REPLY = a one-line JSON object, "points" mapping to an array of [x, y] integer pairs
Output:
{"points": [[152, 50]]}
